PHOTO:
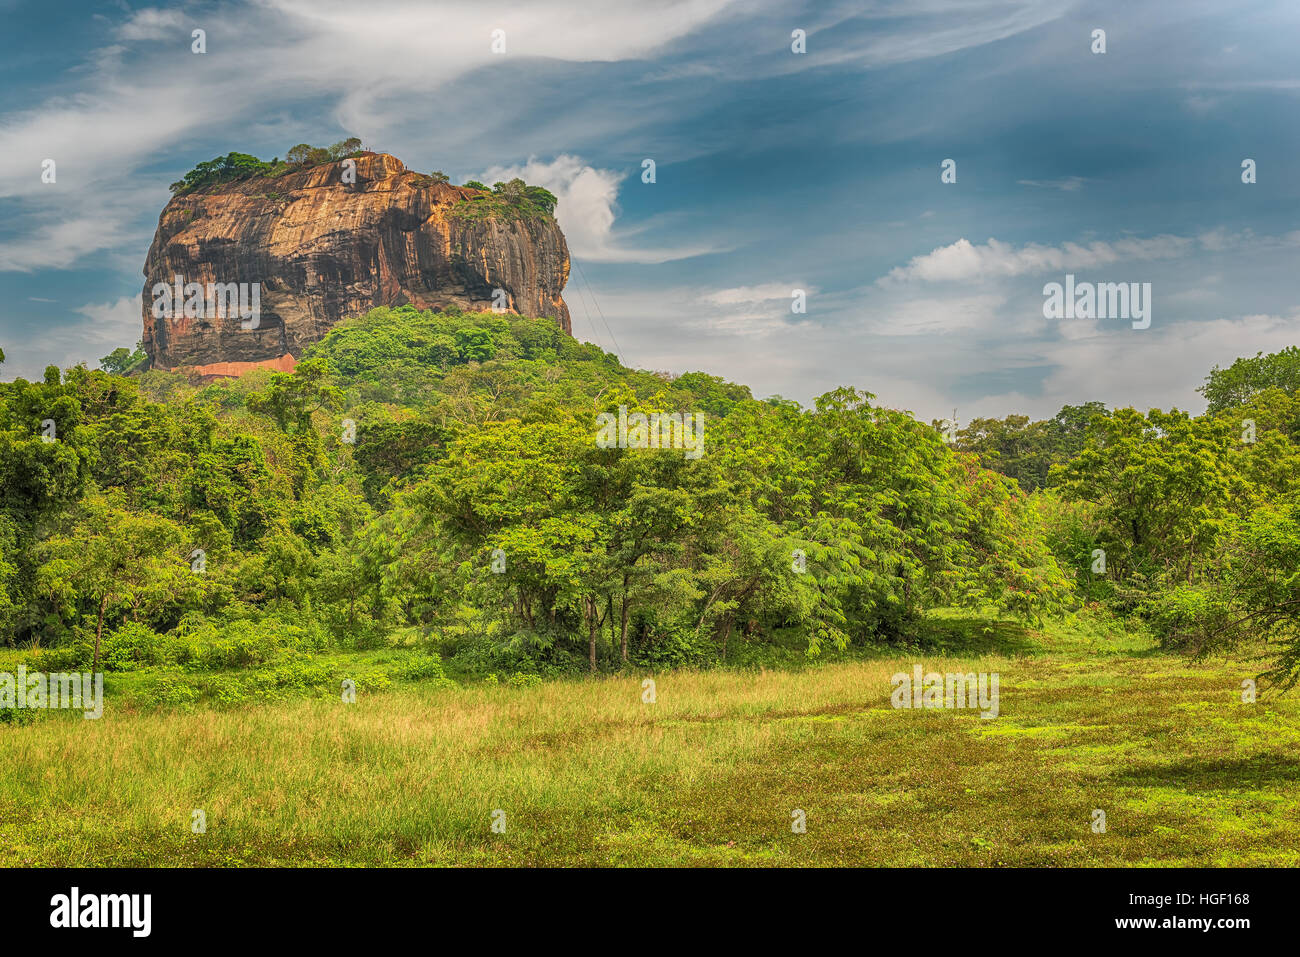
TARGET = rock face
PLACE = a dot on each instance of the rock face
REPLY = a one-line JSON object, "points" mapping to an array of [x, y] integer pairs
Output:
{"points": [[323, 250]]}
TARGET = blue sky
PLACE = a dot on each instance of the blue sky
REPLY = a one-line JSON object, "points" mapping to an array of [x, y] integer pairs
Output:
{"points": [[775, 171]]}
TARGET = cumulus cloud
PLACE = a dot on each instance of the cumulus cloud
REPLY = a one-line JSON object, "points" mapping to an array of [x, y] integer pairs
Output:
{"points": [[964, 260], [586, 209]]}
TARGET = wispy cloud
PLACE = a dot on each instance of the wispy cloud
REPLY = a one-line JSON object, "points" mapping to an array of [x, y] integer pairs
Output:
{"points": [[760, 293], [1070, 184], [147, 89]]}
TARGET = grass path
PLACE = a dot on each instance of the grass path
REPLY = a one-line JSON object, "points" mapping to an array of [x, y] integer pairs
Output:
{"points": [[709, 774]]}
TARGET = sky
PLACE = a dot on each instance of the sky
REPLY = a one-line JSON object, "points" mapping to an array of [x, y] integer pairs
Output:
{"points": [[775, 171]]}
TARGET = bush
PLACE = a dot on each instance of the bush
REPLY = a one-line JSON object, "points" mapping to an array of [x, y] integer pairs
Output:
{"points": [[223, 169], [75, 656], [1184, 616], [419, 667], [168, 688], [250, 644], [132, 645], [674, 647]]}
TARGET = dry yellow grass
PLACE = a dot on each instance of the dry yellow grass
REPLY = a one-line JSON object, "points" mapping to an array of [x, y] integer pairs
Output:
{"points": [[710, 773]]}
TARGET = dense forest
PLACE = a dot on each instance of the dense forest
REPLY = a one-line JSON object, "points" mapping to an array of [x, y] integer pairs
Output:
{"points": [[432, 481]]}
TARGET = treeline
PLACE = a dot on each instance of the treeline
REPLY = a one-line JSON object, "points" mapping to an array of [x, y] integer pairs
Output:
{"points": [[239, 166], [434, 478]]}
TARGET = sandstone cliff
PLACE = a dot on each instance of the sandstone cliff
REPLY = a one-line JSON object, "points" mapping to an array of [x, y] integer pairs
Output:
{"points": [[323, 250]]}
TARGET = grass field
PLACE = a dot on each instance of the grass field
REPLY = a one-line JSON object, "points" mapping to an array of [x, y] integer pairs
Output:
{"points": [[709, 774]]}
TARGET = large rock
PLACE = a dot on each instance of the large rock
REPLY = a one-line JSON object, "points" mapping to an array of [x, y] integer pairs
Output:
{"points": [[323, 250]]}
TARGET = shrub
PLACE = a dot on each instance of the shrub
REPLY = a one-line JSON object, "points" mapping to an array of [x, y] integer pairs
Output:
{"points": [[75, 656], [168, 688], [421, 666], [673, 647], [132, 645]]}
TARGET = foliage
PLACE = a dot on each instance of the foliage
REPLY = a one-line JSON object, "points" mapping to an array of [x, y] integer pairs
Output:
{"points": [[224, 169], [1026, 450], [1246, 378], [514, 198], [433, 479], [240, 166], [123, 361]]}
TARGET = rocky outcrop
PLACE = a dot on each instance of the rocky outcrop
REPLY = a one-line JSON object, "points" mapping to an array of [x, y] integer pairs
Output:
{"points": [[322, 250]]}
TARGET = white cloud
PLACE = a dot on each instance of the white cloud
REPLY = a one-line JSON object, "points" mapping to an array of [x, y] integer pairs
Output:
{"points": [[748, 294], [55, 335], [964, 260], [922, 29], [1154, 367], [58, 244], [147, 90], [938, 316], [153, 24], [107, 325], [586, 209]]}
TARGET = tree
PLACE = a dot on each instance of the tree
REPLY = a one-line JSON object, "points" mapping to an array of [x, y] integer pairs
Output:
{"points": [[344, 148], [232, 166], [113, 559], [9, 556], [1246, 378], [511, 192], [292, 398], [1163, 485], [544, 199], [1025, 450], [1253, 594], [474, 345], [122, 361]]}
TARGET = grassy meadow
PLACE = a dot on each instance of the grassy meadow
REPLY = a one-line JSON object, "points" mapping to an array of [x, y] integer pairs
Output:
{"points": [[709, 774]]}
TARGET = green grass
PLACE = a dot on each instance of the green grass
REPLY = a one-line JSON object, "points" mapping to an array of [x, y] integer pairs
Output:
{"points": [[709, 774]]}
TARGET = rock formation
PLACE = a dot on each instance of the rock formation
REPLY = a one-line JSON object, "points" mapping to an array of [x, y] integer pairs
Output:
{"points": [[323, 250]]}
